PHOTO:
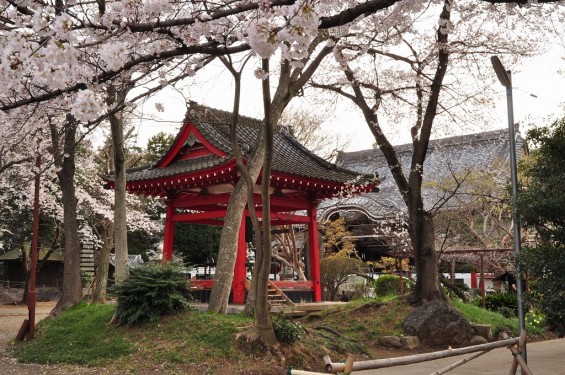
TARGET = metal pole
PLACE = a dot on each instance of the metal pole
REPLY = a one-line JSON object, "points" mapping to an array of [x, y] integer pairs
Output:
{"points": [[31, 297], [515, 214], [505, 78]]}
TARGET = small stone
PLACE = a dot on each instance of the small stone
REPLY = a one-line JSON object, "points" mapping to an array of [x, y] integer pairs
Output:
{"points": [[477, 340], [390, 341], [410, 342], [484, 330]]}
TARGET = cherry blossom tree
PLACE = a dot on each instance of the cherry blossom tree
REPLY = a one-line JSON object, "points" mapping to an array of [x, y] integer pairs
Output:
{"points": [[387, 94], [59, 59]]}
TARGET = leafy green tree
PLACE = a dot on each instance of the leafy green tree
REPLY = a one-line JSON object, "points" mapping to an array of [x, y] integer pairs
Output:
{"points": [[544, 266], [157, 146], [541, 201], [197, 243]]}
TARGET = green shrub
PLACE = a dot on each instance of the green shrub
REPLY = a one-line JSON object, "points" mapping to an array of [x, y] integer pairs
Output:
{"points": [[544, 265], [151, 291], [390, 285], [287, 330], [504, 303]]}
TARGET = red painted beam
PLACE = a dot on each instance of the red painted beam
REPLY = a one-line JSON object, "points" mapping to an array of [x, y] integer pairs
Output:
{"points": [[199, 216], [289, 217], [202, 284], [289, 284], [215, 222], [197, 200]]}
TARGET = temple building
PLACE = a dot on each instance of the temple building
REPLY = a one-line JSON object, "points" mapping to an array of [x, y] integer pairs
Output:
{"points": [[197, 175]]}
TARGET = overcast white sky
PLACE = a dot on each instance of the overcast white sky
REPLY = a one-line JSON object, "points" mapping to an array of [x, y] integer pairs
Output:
{"points": [[543, 77]]}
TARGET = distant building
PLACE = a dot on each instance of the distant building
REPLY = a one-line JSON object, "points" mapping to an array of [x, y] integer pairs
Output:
{"points": [[375, 218], [49, 275]]}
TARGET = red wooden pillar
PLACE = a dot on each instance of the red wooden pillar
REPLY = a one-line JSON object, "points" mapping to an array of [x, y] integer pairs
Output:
{"points": [[314, 254], [482, 281], [169, 233], [473, 280], [239, 274]]}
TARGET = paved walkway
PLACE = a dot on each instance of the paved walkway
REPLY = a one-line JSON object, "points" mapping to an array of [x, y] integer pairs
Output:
{"points": [[544, 358]]}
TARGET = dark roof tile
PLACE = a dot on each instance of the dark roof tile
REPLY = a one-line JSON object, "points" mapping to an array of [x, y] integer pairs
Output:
{"points": [[290, 157]]}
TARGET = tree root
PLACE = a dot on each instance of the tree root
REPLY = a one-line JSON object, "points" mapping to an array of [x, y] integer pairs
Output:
{"points": [[252, 335], [330, 330], [59, 308]]}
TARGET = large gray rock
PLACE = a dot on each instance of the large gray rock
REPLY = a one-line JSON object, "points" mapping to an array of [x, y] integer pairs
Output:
{"points": [[438, 324]]}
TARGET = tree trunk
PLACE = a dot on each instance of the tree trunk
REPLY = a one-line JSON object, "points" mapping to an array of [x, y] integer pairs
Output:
{"points": [[289, 86], [72, 283], [103, 263], [228, 250], [422, 237], [420, 222], [263, 321], [262, 329], [25, 249], [120, 224]]}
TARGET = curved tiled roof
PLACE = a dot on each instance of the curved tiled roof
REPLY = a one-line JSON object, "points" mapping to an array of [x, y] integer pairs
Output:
{"points": [[486, 150], [289, 158], [180, 167]]}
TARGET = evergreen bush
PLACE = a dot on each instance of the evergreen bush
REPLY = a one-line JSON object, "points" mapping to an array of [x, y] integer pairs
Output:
{"points": [[151, 291], [503, 303], [390, 285], [287, 330]]}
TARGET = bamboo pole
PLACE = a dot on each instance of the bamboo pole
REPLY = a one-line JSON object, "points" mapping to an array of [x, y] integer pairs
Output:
{"points": [[518, 358], [348, 366], [521, 343], [389, 362], [301, 372], [459, 363]]}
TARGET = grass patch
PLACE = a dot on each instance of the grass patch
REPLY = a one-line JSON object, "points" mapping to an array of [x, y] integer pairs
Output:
{"points": [[80, 335], [368, 318], [194, 341], [498, 322], [479, 315], [192, 336]]}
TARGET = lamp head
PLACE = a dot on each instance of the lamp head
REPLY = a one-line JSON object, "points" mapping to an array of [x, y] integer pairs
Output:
{"points": [[500, 72]]}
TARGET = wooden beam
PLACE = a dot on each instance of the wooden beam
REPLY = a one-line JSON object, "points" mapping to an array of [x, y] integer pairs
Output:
{"points": [[213, 222], [199, 200], [289, 284], [199, 216], [290, 204]]}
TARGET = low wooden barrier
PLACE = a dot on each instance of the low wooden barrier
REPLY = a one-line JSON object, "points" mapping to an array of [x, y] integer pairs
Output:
{"points": [[514, 344]]}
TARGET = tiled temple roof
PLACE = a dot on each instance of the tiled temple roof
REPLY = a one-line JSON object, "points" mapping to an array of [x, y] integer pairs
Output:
{"points": [[485, 151], [290, 157]]}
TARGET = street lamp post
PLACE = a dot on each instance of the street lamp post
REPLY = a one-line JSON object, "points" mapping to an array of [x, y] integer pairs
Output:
{"points": [[505, 78]]}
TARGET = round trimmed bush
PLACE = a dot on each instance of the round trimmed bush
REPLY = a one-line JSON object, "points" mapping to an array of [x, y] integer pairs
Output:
{"points": [[390, 285]]}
